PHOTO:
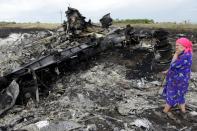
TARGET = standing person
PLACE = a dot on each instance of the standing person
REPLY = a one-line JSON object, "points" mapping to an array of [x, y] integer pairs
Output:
{"points": [[178, 76]]}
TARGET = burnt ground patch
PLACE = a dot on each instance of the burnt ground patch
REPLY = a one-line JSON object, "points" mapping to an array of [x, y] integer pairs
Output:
{"points": [[100, 98], [5, 32]]}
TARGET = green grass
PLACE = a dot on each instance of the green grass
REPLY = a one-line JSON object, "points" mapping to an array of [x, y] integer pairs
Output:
{"points": [[51, 26], [134, 21], [170, 26]]}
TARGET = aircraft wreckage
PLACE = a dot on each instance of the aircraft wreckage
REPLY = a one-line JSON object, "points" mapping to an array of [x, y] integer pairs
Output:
{"points": [[31, 79]]}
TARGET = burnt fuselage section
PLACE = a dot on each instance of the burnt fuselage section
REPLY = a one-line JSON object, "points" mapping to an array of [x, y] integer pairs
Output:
{"points": [[34, 78]]}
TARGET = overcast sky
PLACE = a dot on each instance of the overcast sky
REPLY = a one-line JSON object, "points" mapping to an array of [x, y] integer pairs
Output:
{"points": [[49, 10]]}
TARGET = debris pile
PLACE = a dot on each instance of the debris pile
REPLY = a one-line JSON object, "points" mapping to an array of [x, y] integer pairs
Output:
{"points": [[106, 21], [74, 78], [163, 49], [75, 21]]}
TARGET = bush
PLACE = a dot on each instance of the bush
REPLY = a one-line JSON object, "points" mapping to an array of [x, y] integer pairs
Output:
{"points": [[6, 23]]}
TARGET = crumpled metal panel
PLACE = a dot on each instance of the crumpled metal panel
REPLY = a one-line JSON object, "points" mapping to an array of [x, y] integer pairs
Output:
{"points": [[106, 21], [9, 96]]}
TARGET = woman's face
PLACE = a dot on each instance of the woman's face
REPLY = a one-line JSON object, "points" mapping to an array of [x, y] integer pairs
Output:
{"points": [[179, 47]]}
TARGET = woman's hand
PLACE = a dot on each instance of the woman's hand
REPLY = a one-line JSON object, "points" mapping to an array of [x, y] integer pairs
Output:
{"points": [[178, 52], [175, 56]]}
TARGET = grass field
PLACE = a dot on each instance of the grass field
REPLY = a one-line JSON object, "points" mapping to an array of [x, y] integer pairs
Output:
{"points": [[29, 25], [171, 26]]}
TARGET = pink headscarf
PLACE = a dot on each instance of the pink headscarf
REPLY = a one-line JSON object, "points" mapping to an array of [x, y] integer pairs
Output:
{"points": [[186, 43]]}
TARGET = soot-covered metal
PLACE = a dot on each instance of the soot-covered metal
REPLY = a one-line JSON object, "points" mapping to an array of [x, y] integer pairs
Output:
{"points": [[33, 79]]}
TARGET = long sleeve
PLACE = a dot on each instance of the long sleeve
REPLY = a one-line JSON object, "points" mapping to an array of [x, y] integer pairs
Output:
{"points": [[185, 60]]}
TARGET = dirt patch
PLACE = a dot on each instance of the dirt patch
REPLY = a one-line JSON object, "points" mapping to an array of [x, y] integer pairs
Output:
{"points": [[5, 32]]}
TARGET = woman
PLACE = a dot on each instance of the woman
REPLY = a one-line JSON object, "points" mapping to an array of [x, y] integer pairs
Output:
{"points": [[178, 76]]}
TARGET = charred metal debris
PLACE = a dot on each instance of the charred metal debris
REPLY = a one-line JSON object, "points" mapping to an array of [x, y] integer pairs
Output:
{"points": [[33, 79]]}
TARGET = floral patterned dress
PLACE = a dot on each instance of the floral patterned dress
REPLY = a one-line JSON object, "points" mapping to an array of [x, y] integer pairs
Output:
{"points": [[177, 79]]}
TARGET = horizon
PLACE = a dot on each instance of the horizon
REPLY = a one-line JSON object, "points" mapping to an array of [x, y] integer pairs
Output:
{"points": [[50, 11]]}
